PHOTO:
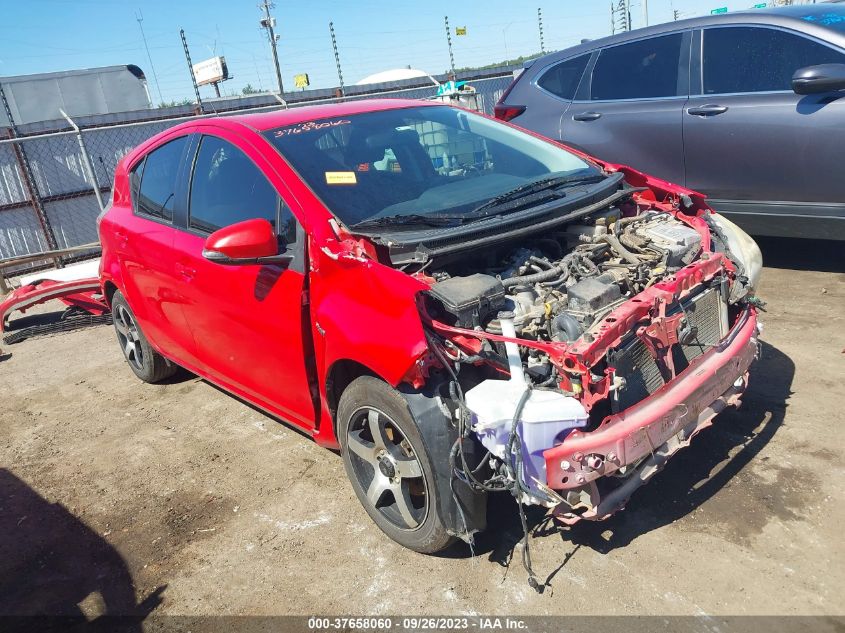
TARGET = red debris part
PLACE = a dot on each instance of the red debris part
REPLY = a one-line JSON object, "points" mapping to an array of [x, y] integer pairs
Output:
{"points": [[80, 293]]}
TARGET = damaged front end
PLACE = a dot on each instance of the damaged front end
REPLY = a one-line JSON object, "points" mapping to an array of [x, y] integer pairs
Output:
{"points": [[582, 359]]}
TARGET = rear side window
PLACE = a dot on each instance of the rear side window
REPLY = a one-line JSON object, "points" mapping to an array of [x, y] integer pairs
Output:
{"points": [[227, 187], [639, 70], [753, 59], [562, 79], [154, 179]]}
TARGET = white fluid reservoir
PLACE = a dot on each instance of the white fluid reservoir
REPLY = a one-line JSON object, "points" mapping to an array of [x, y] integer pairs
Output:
{"points": [[545, 419]]}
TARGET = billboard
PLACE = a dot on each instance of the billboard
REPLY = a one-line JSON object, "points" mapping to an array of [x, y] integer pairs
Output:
{"points": [[211, 71]]}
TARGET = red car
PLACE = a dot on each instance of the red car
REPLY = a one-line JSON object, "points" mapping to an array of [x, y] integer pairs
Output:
{"points": [[460, 306]]}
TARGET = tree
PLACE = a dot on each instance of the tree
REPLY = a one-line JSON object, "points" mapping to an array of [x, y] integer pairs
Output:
{"points": [[171, 104], [249, 90], [508, 62]]}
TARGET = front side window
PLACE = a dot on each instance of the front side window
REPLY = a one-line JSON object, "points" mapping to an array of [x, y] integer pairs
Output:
{"points": [[154, 179], [420, 161], [562, 79], [640, 70], [754, 59], [227, 187]]}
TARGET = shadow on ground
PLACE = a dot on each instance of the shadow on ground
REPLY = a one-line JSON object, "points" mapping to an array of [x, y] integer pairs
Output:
{"points": [[798, 254], [20, 320], [714, 458], [53, 566]]}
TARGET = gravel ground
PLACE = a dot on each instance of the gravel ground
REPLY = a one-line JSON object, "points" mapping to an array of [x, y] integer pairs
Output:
{"points": [[117, 496]]}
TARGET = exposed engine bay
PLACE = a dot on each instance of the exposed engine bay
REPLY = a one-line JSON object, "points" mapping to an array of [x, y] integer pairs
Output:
{"points": [[558, 286], [555, 337]]}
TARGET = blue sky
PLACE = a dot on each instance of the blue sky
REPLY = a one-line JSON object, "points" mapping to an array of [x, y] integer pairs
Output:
{"points": [[53, 35]]}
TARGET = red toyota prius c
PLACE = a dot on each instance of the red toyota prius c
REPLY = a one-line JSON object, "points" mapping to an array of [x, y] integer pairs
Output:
{"points": [[458, 305]]}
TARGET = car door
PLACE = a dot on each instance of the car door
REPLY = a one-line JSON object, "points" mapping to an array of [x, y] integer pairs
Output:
{"points": [[753, 145], [629, 110], [247, 320], [144, 248]]}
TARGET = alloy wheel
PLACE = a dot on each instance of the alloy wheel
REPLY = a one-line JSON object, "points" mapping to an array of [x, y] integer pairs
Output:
{"points": [[129, 337], [387, 468]]}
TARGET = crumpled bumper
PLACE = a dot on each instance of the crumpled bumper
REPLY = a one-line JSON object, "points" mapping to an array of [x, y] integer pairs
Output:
{"points": [[654, 429], [78, 292]]}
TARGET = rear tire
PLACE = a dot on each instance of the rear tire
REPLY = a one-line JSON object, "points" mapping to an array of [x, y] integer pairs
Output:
{"points": [[389, 466], [143, 360]]}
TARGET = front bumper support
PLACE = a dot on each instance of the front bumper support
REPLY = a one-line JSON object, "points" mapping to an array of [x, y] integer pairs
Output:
{"points": [[644, 436]]}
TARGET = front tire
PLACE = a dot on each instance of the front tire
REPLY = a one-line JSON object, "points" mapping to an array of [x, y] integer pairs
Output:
{"points": [[143, 360], [389, 467]]}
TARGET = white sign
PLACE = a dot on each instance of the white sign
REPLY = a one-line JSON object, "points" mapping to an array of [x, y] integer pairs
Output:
{"points": [[211, 71]]}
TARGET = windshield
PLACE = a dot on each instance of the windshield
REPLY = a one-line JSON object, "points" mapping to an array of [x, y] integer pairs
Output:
{"points": [[423, 163]]}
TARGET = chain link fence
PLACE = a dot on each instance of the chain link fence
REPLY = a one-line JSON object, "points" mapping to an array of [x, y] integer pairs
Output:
{"points": [[54, 185]]}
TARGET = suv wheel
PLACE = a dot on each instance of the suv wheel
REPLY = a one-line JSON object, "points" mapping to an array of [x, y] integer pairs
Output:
{"points": [[389, 467], [144, 361]]}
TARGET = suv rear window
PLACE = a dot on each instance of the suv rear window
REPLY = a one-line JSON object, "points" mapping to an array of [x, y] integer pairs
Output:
{"points": [[562, 79], [755, 59], [639, 70], [157, 175]]}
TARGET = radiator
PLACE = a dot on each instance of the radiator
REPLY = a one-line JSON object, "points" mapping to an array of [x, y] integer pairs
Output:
{"points": [[707, 317]]}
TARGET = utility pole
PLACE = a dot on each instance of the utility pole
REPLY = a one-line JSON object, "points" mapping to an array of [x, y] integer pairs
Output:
{"points": [[676, 14], [449, 42], [620, 16], [336, 57], [645, 12], [140, 18], [540, 25], [268, 22], [191, 68]]}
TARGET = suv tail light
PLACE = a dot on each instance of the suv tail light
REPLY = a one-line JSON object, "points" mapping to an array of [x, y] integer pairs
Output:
{"points": [[507, 112]]}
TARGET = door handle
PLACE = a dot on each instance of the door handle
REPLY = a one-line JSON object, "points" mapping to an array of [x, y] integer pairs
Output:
{"points": [[707, 110], [186, 272], [586, 116]]}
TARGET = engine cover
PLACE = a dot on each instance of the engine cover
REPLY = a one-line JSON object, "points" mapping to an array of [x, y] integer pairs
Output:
{"points": [[682, 242]]}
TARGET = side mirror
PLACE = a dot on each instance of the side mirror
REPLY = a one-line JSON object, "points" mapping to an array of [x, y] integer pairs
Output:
{"points": [[817, 79], [247, 242]]}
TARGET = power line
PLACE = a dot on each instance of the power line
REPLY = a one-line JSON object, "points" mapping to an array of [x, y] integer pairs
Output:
{"points": [[140, 18]]}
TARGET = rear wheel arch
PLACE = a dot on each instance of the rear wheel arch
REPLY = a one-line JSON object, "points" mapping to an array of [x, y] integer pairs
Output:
{"points": [[109, 288]]}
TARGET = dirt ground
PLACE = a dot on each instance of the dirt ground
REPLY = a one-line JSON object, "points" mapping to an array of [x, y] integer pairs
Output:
{"points": [[117, 496]]}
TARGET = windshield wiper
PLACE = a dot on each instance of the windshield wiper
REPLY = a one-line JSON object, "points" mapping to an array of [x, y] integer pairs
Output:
{"points": [[533, 187], [414, 219], [454, 219]]}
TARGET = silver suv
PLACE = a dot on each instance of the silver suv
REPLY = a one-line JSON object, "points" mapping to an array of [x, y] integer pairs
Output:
{"points": [[747, 108]]}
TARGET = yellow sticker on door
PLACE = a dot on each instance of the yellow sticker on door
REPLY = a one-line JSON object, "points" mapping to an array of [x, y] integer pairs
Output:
{"points": [[341, 178]]}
